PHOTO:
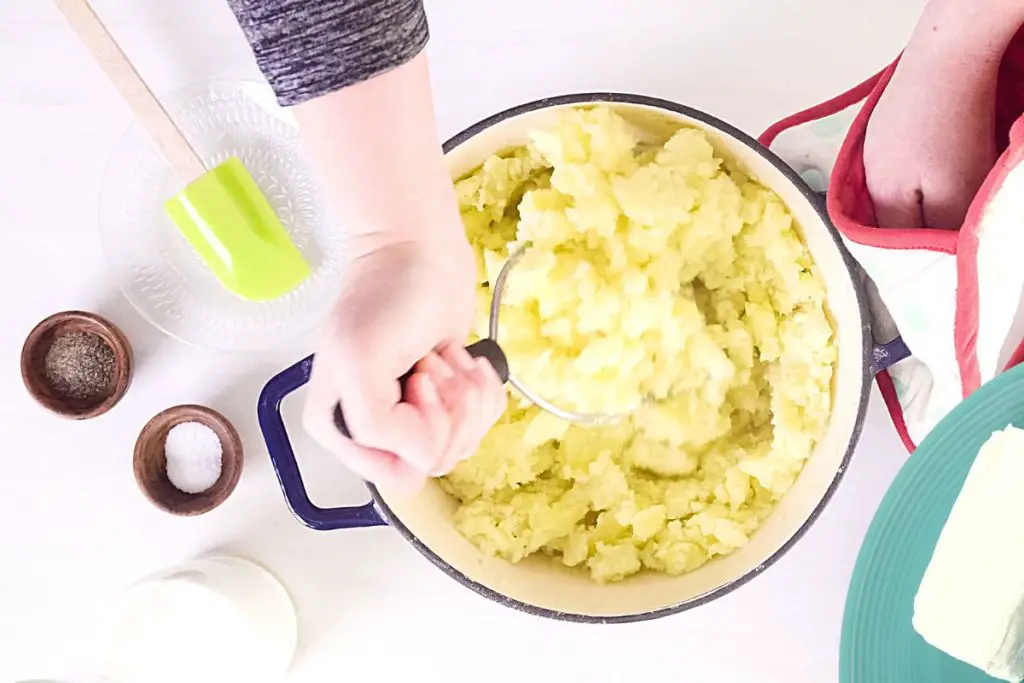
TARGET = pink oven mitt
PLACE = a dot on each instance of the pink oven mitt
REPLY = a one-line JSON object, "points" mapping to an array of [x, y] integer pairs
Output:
{"points": [[953, 296]]}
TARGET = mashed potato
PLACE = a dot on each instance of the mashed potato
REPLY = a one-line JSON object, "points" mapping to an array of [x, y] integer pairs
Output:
{"points": [[656, 280]]}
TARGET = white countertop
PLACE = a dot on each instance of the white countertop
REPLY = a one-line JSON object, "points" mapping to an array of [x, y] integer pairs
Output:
{"points": [[74, 527]]}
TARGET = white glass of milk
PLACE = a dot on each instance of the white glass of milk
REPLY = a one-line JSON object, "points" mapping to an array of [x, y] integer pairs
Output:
{"points": [[216, 618]]}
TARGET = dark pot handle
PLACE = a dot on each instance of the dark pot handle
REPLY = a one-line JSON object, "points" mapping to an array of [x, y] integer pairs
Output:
{"points": [[282, 457], [884, 356], [485, 348]]}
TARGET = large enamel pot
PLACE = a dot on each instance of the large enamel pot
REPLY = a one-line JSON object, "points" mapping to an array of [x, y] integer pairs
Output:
{"points": [[537, 585]]}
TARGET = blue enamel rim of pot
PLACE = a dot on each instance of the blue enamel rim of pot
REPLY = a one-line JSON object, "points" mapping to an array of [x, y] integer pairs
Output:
{"points": [[377, 512]]}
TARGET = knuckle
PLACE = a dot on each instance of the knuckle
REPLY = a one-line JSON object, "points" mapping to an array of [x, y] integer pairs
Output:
{"points": [[312, 420], [367, 426]]}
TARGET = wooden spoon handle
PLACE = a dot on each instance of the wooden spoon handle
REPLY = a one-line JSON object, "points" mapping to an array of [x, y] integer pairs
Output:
{"points": [[136, 94]]}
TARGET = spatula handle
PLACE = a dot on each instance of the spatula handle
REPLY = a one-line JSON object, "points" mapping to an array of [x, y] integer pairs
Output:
{"points": [[136, 94], [485, 348]]}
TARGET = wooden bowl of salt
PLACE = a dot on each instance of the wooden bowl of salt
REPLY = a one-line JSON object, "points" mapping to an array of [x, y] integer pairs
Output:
{"points": [[188, 460]]}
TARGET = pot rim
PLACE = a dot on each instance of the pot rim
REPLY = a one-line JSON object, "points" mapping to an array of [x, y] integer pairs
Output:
{"points": [[624, 98]]}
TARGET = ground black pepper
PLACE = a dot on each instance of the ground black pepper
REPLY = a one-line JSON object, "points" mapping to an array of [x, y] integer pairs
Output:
{"points": [[79, 365]]}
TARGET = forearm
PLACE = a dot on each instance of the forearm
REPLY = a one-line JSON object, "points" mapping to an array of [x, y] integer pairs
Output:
{"points": [[377, 147], [355, 72], [966, 32]]}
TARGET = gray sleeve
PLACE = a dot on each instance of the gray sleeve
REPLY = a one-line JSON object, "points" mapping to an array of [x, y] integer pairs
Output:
{"points": [[307, 48]]}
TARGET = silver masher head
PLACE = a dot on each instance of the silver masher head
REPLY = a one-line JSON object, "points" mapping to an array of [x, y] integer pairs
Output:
{"points": [[499, 286]]}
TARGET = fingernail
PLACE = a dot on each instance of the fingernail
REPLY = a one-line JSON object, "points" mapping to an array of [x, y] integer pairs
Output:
{"points": [[485, 364], [445, 468], [429, 390], [450, 463], [462, 357], [435, 365]]}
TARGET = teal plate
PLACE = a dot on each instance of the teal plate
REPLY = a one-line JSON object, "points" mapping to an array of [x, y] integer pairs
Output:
{"points": [[879, 644]]}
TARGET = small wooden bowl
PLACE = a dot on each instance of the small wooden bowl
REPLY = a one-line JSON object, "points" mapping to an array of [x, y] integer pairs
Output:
{"points": [[150, 463], [33, 364]]}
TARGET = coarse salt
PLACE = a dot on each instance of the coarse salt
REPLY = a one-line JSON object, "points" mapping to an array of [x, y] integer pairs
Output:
{"points": [[193, 453]]}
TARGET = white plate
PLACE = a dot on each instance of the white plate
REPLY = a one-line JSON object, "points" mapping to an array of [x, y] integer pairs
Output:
{"points": [[156, 268]]}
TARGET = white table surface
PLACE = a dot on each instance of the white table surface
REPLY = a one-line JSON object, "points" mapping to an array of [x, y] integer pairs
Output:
{"points": [[74, 527]]}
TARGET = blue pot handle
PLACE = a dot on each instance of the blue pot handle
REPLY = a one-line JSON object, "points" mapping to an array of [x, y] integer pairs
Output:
{"points": [[884, 356], [283, 458], [290, 478]]}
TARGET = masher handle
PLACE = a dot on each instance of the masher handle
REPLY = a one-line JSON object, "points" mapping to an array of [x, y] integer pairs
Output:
{"points": [[136, 94], [485, 348]]}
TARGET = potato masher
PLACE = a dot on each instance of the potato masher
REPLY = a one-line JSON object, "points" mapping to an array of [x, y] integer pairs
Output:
{"points": [[490, 349]]}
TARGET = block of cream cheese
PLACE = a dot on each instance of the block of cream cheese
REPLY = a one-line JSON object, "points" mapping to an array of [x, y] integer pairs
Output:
{"points": [[970, 603]]}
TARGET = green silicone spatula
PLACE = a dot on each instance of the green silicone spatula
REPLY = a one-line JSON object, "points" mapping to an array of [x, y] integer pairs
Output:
{"points": [[221, 211]]}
